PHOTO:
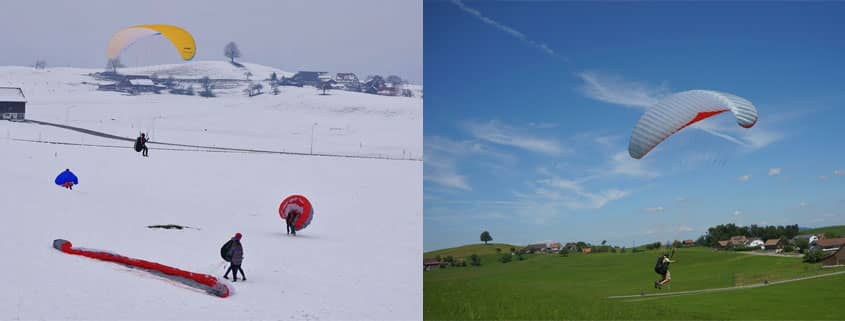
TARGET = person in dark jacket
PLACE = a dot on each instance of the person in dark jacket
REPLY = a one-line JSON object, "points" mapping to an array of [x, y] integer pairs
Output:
{"points": [[141, 145], [236, 252], [291, 221], [662, 268]]}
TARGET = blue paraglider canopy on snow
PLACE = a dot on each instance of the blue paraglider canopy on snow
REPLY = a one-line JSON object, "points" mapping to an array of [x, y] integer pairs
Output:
{"points": [[66, 176]]}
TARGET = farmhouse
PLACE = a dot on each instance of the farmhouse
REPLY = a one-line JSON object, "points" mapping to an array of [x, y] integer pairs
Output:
{"points": [[132, 86], [309, 78], [740, 240], [831, 244], [756, 242], [688, 243], [428, 264], [587, 250], [539, 247], [835, 259], [571, 247], [773, 244], [809, 237], [554, 246], [348, 81], [722, 244], [12, 103]]}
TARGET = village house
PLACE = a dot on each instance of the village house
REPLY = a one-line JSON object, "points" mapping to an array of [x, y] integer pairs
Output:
{"points": [[811, 239], [722, 244], [586, 250], [348, 81], [428, 264], [756, 242], [12, 103], [835, 259], [554, 246], [539, 247], [774, 244], [132, 86], [571, 247], [829, 245], [740, 240], [310, 78], [688, 243]]}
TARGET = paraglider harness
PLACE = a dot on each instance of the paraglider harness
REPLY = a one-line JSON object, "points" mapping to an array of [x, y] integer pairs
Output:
{"points": [[661, 268], [226, 250]]}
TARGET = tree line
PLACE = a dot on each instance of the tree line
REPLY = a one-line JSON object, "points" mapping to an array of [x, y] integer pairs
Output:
{"points": [[726, 231]]}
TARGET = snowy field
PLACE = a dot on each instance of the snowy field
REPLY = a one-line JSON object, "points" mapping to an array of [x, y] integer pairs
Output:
{"points": [[359, 258]]}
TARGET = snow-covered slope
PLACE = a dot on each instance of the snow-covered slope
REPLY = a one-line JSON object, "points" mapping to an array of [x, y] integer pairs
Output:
{"points": [[359, 258], [342, 122], [211, 69]]}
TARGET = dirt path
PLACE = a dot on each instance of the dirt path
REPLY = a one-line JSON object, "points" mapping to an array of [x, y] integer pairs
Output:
{"points": [[654, 295]]}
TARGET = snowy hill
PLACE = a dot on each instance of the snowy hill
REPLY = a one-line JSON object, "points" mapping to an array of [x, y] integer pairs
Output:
{"points": [[359, 258], [212, 69]]}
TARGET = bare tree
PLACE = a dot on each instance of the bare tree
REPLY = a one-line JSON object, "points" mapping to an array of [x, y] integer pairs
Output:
{"points": [[40, 64], [113, 64], [275, 88], [207, 86], [247, 75], [231, 50]]}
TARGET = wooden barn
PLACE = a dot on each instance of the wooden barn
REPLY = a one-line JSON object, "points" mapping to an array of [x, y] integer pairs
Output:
{"points": [[12, 103], [835, 259]]}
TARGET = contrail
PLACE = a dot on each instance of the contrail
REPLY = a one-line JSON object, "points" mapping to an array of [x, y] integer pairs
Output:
{"points": [[511, 31]]}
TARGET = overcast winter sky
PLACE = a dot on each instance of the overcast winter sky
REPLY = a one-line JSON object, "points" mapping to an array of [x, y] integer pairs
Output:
{"points": [[362, 36]]}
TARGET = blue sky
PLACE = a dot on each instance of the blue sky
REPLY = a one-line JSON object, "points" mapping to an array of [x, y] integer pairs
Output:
{"points": [[529, 108]]}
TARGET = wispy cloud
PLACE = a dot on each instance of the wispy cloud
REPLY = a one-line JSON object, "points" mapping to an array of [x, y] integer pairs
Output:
{"points": [[839, 172], [824, 177], [543, 125], [744, 178], [622, 164], [684, 228], [774, 171], [737, 213], [655, 210], [511, 31], [573, 195], [441, 163], [498, 133], [619, 91]]}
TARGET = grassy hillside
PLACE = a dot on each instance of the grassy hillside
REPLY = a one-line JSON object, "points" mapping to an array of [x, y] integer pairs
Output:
{"points": [[467, 250], [838, 230], [577, 286]]}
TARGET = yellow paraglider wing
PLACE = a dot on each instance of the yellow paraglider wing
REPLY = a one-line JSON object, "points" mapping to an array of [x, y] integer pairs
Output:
{"points": [[181, 39]]}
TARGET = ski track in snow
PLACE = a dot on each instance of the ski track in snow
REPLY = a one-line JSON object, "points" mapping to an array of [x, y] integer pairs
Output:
{"points": [[357, 260]]}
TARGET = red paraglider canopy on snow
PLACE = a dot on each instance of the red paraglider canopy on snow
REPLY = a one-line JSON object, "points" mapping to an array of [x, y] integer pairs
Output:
{"points": [[302, 205]]}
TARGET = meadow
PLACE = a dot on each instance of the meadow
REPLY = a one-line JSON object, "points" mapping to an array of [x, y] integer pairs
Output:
{"points": [[577, 286]]}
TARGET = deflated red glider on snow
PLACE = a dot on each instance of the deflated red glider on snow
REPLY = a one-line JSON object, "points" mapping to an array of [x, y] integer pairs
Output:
{"points": [[204, 282]]}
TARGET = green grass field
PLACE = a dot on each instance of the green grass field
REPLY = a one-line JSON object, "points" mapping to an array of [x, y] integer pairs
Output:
{"points": [[576, 287], [467, 250]]}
